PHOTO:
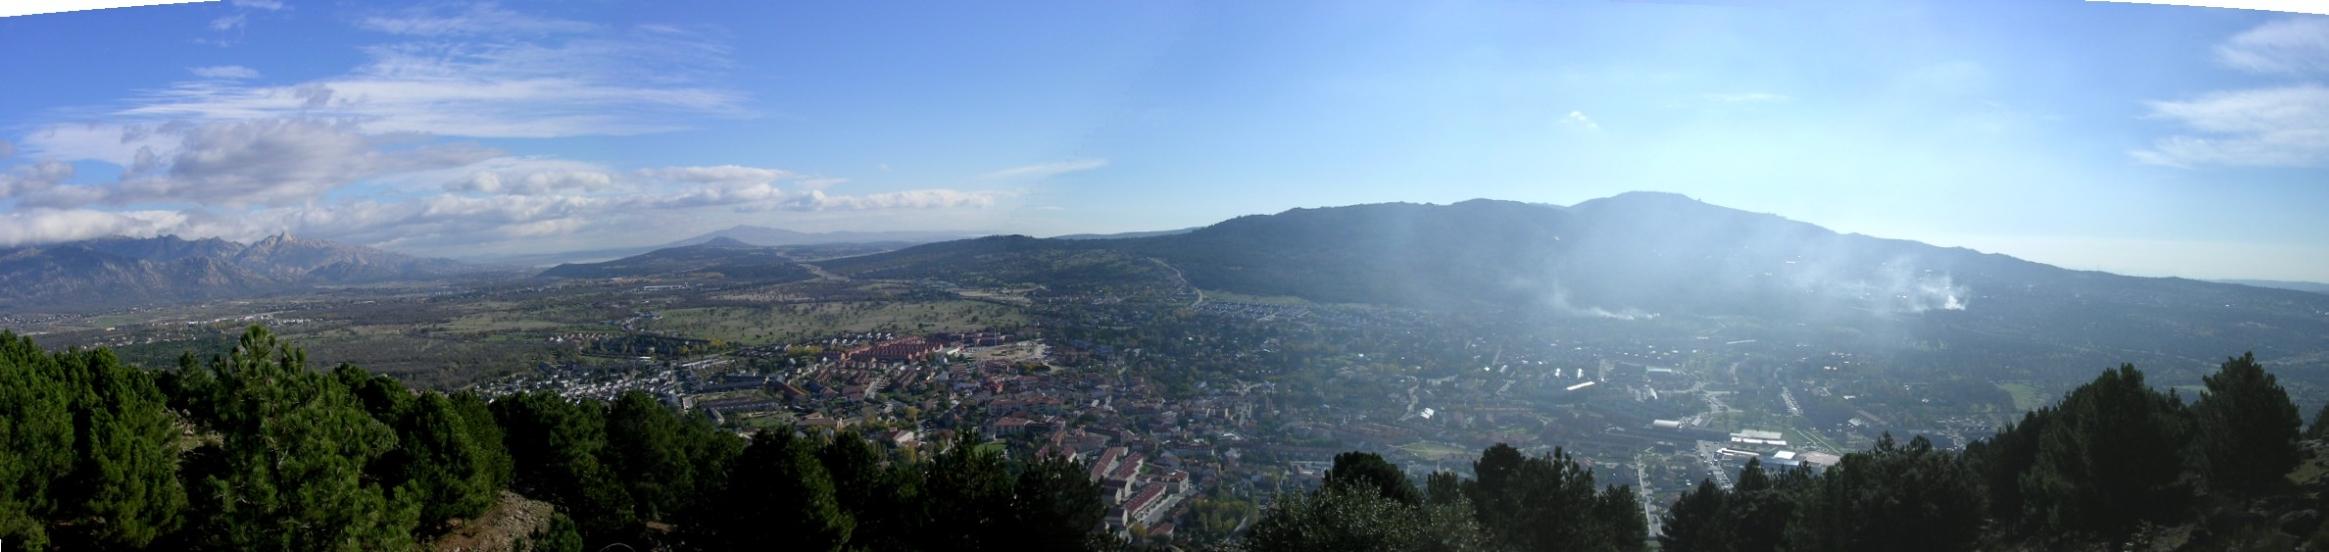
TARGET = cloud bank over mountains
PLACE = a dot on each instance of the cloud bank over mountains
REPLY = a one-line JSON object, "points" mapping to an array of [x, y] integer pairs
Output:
{"points": [[394, 151]]}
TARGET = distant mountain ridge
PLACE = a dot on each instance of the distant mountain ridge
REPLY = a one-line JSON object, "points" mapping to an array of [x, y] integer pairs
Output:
{"points": [[1123, 235], [123, 270], [1645, 255], [752, 235], [766, 236], [722, 257], [2311, 287]]}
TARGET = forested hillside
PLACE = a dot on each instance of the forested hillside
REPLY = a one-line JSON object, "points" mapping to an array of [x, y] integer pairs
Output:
{"points": [[254, 450]]}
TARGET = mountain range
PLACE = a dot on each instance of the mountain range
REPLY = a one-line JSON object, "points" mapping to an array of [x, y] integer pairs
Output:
{"points": [[1636, 256], [720, 256], [746, 234], [1645, 255], [122, 270]]}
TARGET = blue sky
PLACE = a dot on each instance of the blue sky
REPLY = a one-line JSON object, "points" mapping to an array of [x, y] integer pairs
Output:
{"points": [[2148, 140]]}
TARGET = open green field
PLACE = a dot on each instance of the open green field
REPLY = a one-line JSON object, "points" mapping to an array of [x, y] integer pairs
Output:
{"points": [[2026, 398], [788, 323], [1436, 452]]}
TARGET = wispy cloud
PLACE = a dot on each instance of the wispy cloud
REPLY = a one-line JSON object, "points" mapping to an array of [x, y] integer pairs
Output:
{"points": [[235, 163], [2273, 126], [228, 23], [2267, 127], [555, 78], [1041, 171], [2289, 46], [1578, 120], [382, 155], [228, 72], [472, 20], [938, 198]]}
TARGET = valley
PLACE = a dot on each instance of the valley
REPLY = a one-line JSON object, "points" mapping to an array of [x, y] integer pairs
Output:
{"points": [[1231, 374]]}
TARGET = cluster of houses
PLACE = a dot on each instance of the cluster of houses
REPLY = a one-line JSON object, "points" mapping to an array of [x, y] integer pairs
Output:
{"points": [[1137, 494]]}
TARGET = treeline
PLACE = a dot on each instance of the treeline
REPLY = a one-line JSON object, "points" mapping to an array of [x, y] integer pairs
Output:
{"points": [[1515, 502], [2115, 465], [252, 450]]}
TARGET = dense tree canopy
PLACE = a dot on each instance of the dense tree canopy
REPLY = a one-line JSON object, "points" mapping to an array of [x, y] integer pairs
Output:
{"points": [[255, 450], [1518, 502], [2248, 427]]}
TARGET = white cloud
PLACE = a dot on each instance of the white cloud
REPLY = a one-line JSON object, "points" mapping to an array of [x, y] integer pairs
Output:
{"points": [[573, 84], [229, 72], [2268, 127], [269, 5], [2288, 46], [1747, 97], [514, 176], [728, 174], [2272, 126], [273, 161], [227, 23], [1578, 120], [476, 19], [755, 189], [7, 149], [1041, 171], [939, 198], [367, 157], [42, 225], [535, 183], [35, 178]]}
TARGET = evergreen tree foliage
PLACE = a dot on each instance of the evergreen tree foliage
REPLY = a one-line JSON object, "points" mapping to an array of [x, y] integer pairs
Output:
{"points": [[1619, 512], [2247, 428], [290, 471], [2004, 460], [554, 445], [36, 439], [779, 493], [1695, 522], [2112, 460], [1543, 503], [1054, 507], [444, 464], [1902, 498], [1350, 517], [560, 535], [644, 445], [1368, 471], [967, 489], [123, 491]]}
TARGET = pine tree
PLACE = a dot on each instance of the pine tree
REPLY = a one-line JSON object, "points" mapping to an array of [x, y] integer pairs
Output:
{"points": [[1695, 522], [447, 468], [1055, 506], [36, 439], [123, 491], [2248, 427], [291, 474], [2112, 459], [778, 493], [1368, 471]]}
